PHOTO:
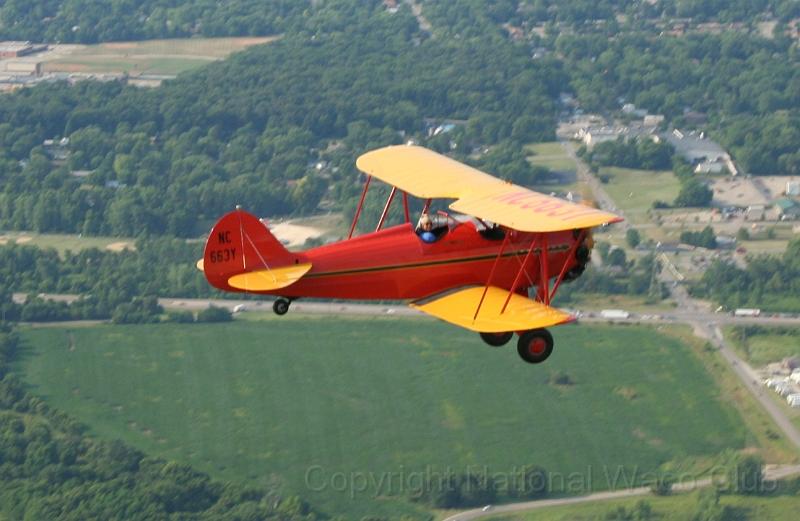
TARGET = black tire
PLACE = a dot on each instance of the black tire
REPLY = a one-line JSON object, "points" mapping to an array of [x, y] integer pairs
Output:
{"points": [[281, 306], [535, 346], [496, 339]]}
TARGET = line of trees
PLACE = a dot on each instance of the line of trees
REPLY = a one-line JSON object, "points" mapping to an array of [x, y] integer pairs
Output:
{"points": [[768, 282], [620, 277], [119, 284], [642, 153], [469, 489], [705, 238]]}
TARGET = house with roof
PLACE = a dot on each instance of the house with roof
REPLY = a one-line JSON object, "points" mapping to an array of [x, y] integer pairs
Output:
{"points": [[788, 209]]}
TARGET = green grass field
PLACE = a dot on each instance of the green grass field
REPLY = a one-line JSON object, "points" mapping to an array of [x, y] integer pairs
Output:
{"points": [[149, 57], [636, 190], [551, 155], [681, 506], [64, 242], [764, 348], [133, 65], [311, 402]]}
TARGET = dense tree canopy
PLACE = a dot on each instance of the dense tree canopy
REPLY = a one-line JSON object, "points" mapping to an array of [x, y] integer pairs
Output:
{"points": [[89, 21], [251, 129]]}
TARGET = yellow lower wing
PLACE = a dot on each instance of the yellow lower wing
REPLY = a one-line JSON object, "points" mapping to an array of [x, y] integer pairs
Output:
{"points": [[269, 279], [521, 313]]}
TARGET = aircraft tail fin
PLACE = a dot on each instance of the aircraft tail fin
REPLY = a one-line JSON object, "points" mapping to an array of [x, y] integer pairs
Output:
{"points": [[242, 254]]}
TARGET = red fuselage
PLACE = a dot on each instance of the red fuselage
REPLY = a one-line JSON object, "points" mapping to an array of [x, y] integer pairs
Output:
{"points": [[396, 264]]}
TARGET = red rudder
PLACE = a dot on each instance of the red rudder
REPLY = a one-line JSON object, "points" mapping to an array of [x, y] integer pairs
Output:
{"points": [[240, 243]]}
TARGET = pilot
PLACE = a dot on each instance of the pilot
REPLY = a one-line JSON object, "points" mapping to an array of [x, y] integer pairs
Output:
{"points": [[424, 229]]}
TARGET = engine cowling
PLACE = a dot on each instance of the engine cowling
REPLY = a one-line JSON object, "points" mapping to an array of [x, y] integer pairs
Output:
{"points": [[583, 255]]}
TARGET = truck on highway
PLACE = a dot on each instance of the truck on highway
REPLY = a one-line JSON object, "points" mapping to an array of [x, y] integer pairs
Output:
{"points": [[746, 312], [614, 314]]}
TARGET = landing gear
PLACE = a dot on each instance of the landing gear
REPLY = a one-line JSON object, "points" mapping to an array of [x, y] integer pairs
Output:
{"points": [[535, 346], [496, 339], [281, 306]]}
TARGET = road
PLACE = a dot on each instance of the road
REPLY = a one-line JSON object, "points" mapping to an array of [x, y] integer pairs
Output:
{"points": [[600, 195], [705, 324], [708, 328], [774, 473], [680, 315]]}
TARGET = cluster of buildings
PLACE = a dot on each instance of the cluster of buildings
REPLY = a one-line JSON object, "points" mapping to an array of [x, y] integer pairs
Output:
{"points": [[14, 49], [22, 65], [707, 156], [787, 387]]}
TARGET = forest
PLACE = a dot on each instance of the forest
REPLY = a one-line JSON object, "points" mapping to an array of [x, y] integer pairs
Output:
{"points": [[91, 21], [250, 130]]}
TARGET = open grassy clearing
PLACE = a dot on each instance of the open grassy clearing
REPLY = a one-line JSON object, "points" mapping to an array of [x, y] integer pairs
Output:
{"points": [[166, 57], [64, 242], [208, 47], [133, 65], [635, 191], [271, 401], [680, 506], [764, 348], [773, 446], [774, 247], [597, 301], [551, 155]]}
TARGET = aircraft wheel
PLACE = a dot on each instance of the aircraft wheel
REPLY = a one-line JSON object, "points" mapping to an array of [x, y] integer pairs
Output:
{"points": [[535, 346], [281, 306], [496, 339]]}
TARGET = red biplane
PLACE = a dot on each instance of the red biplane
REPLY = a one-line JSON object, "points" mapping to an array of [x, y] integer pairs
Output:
{"points": [[474, 272]]}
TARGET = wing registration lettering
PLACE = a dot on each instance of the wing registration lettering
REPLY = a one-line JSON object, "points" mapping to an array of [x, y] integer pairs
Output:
{"points": [[546, 205]]}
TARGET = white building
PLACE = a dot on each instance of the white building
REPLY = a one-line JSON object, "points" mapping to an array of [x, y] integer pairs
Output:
{"points": [[711, 167], [784, 388], [793, 400]]}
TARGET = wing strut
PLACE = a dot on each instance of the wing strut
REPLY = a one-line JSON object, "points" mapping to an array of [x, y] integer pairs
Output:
{"points": [[521, 271], [360, 206], [491, 273], [544, 276], [386, 208]]}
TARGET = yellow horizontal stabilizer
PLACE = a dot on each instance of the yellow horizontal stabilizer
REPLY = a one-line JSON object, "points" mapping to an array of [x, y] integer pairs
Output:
{"points": [[521, 313], [269, 279], [427, 174]]}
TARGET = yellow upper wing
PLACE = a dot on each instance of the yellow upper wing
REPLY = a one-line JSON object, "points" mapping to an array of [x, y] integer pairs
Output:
{"points": [[426, 174]]}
